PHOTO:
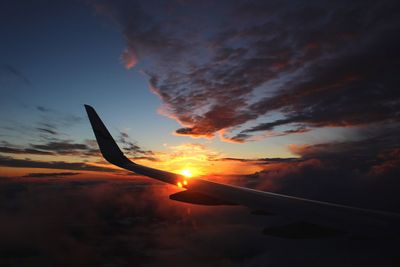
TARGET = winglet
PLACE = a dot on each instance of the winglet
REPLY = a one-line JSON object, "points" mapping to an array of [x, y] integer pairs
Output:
{"points": [[108, 147]]}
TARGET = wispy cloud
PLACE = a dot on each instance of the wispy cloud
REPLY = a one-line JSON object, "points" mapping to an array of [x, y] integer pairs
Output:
{"points": [[61, 147], [62, 165], [132, 148], [13, 150], [50, 174], [11, 70], [47, 131]]}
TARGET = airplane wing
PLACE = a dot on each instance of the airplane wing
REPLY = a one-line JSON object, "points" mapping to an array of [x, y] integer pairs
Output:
{"points": [[205, 192]]}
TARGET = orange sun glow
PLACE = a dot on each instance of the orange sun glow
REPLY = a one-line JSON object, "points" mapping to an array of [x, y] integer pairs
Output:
{"points": [[187, 173]]}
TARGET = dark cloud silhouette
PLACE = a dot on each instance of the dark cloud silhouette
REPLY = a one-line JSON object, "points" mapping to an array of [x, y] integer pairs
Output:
{"points": [[47, 131], [134, 150], [43, 109], [27, 163], [316, 63], [360, 173], [126, 222], [66, 147], [58, 147], [50, 174], [13, 150], [61, 147], [262, 161]]}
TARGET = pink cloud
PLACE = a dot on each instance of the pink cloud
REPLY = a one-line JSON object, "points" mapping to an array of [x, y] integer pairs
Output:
{"points": [[129, 58]]}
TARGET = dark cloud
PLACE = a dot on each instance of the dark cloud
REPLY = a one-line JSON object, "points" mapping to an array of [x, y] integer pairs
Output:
{"points": [[245, 136], [43, 109], [316, 63], [135, 151], [55, 122], [360, 173], [66, 147], [13, 150], [47, 131], [262, 161], [388, 164], [58, 147], [126, 222], [50, 174], [61, 147], [27, 163]]}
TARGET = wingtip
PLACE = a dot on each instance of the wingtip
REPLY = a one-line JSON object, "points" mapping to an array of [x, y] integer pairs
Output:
{"points": [[106, 142], [89, 109]]}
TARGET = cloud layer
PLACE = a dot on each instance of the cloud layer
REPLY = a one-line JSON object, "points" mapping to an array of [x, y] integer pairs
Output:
{"points": [[49, 221]]}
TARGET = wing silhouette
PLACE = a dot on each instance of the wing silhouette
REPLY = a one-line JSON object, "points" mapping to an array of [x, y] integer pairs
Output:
{"points": [[206, 192]]}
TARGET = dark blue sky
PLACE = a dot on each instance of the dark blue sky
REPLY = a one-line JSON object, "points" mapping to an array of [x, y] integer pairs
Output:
{"points": [[60, 56]]}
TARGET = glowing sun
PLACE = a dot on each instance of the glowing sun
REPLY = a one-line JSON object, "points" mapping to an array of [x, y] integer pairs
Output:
{"points": [[187, 173]]}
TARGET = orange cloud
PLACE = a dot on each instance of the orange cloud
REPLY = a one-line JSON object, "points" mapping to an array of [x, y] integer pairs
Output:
{"points": [[298, 149], [129, 58], [390, 163], [200, 160]]}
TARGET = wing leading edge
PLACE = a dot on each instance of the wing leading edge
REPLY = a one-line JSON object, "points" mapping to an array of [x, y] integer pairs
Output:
{"points": [[293, 207]]}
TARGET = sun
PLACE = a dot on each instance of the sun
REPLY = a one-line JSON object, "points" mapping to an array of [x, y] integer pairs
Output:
{"points": [[187, 173]]}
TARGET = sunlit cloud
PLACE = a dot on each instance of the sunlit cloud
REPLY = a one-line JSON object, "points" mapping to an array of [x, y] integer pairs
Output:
{"points": [[324, 74], [194, 160], [129, 58]]}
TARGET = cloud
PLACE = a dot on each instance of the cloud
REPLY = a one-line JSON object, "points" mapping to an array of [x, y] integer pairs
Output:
{"points": [[136, 152], [123, 222], [67, 147], [58, 147], [129, 59], [262, 161], [27, 163], [50, 174], [244, 136], [47, 131], [43, 109], [13, 150], [9, 69], [61, 147], [254, 59], [388, 164], [360, 173], [54, 120]]}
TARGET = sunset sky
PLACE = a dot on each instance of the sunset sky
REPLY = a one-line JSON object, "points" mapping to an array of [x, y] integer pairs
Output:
{"points": [[239, 84], [299, 97]]}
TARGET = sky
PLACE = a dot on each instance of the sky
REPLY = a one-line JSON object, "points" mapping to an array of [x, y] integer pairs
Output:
{"points": [[295, 97]]}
